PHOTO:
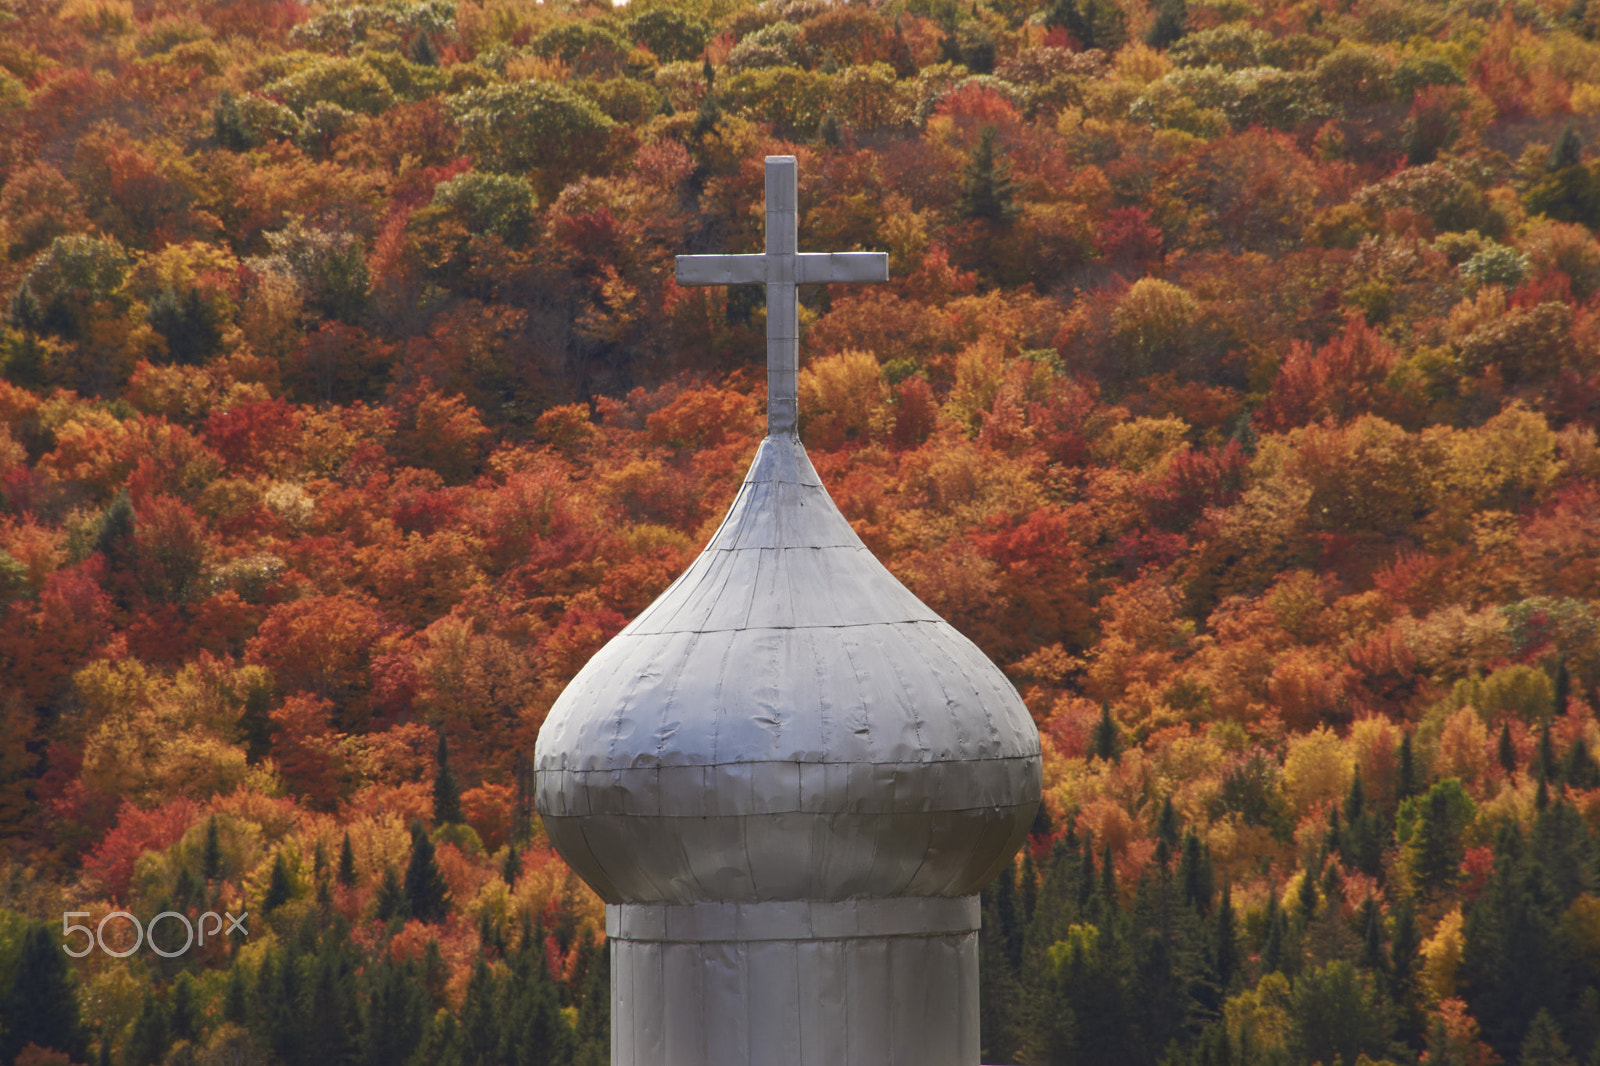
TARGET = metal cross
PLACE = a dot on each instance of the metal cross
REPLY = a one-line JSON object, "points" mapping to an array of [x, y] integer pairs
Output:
{"points": [[781, 267]]}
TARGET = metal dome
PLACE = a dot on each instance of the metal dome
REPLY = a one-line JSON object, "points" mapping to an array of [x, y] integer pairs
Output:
{"points": [[787, 721], [788, 777]]}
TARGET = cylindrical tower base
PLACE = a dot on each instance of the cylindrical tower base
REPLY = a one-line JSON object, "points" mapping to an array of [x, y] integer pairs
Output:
{"points": [[878, 982]]}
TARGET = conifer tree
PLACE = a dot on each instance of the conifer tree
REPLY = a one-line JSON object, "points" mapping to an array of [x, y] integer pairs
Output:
{"points": [[235, 1002], [1407, 780], [1094, 23], [211, 854], [1028, 886], [183, 1011], [446, 793], [1373, 958], [396, 1011], [513, 865], [1166, 831], [1545, 760], [41, 1006], [391, 897], [150, 1036], [427, 895], [522, 809], [279, 888], [1513, 959], [228, 126], [1543, 1045], [347, 862], [1507, 750], [423, 52], [1107, 741], [1405, 943], [1274, 951], [1224, 941], [331, 1013], [987, 191], [1308, 897], [1171, 24], [1579, 770], [1196, 881]]}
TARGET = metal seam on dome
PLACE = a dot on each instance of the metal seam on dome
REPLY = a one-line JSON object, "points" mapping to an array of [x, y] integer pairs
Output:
{"points": [[672, 693], [717, 702]]}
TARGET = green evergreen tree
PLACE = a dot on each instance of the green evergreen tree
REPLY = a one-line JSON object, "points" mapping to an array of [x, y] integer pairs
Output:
{"points": [[1308, 897], [332, 1010], [1225, 941], [183, 1010], [1545, 758], [1196, 880], [427, 895], [279, 888], [1275, 949], [1167, 831], [396, 1014], [1106, 742], [150, 1036], [1338, 1016], [1405, 943], [1564, 851], [347, 863], [190, 325], [114, 537], [1094, 23], [41, 1005], [1543, 1045], [1028, 885], [1567, 192], [211, 853], [1579, 770], [235, 1001], [1407, 779], [1362, 839], [446, 793], [24, 312], [987, 191], [423, 51], [479, 1039], [1435, 849], [512, 869], [1507, 750], [1514, 960], [228, 127], [1567, 151], [1373, 958], [391, 897], [283, 1011], [522, 808], [1170, 25]]}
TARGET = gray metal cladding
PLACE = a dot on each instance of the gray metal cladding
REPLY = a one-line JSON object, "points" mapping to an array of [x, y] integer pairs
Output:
{"points": [[788, 777], [787, 721]]}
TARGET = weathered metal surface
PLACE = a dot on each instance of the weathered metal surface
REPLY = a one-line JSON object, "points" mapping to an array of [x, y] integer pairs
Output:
{"points": [[789, 778]]}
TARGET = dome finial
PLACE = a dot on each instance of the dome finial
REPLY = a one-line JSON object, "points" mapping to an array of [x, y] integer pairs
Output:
{"points": [[781, 267]]}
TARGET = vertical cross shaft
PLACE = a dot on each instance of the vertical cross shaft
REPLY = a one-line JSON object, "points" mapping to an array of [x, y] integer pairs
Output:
{"points": [[783, 305], [782, 267]]}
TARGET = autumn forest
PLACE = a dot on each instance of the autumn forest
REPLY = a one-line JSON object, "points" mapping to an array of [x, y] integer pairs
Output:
{"points": [[1236, 391]]}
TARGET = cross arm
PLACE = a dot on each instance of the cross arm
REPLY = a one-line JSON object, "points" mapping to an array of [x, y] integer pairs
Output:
{"points": [[722, 269], [817, 268]]}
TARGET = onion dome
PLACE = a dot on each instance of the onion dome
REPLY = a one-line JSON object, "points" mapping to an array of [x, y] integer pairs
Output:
{"points": [[787, 722]]}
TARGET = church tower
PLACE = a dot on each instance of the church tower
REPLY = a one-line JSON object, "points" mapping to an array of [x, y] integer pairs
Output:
{"points": [[789, 778]]}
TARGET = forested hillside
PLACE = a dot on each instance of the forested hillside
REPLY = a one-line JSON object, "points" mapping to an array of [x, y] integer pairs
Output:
{"points": [[1236, 391]]}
